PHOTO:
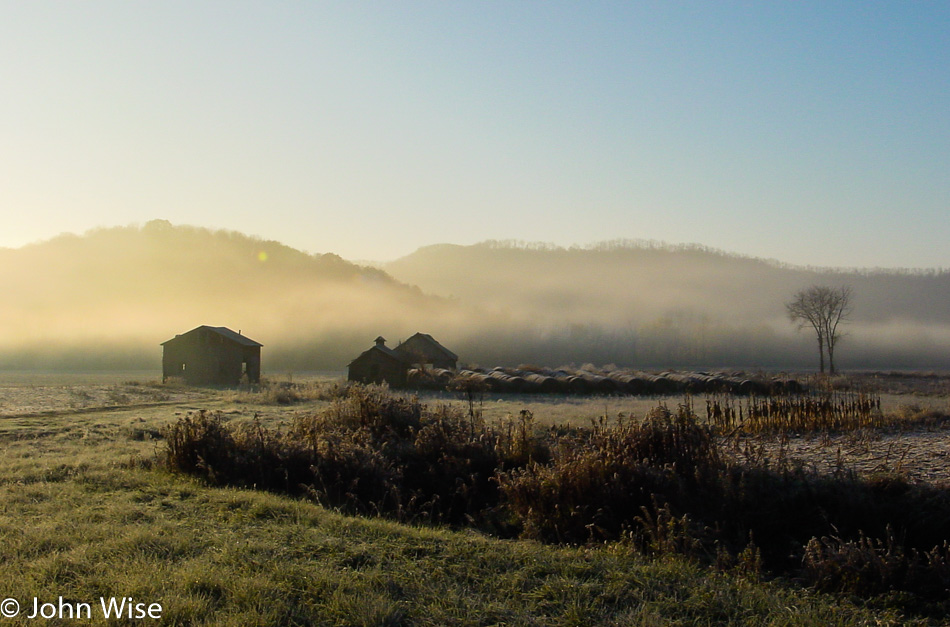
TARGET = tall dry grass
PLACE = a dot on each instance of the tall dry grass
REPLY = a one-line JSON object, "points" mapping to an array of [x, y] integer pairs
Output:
{"points": [[823, 411], [368, 452]]}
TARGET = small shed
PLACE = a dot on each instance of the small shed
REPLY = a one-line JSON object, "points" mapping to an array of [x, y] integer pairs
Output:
{"points": [[379, 364], [215, 355], [423, 350]]}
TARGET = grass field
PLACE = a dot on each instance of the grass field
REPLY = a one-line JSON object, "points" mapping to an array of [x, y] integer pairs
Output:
{"points": [[87, 513]]}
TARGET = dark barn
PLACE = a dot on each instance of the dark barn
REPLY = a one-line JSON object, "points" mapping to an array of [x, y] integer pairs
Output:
{"points": [[379, 364], [423, 350], [215, 355]]}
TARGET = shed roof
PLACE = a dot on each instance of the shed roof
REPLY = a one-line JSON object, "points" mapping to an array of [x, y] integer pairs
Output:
{"points": [[222, 331], [384, 350], [435, 344]]}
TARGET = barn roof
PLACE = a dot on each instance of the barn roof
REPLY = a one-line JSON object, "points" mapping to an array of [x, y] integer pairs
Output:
{"points": [[435, 344], [384, 350], [222, 331]]}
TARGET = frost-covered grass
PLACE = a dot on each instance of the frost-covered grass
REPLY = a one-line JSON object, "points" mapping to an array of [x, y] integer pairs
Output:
{"points": [[85, 512]]}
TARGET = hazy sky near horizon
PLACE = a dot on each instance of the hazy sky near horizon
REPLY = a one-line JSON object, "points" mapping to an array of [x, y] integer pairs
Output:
{"points": [[810, 132]]}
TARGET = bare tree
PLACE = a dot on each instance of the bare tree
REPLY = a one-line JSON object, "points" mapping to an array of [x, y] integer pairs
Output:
{"points": [[839, 310], [823, 309]]}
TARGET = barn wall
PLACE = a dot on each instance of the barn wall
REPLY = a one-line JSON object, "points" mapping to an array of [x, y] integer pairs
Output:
{"points": [[252, 356], [374, 367], [207, 357]]}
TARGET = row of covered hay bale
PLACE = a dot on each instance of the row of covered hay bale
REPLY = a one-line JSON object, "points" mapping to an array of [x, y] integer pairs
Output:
{"points": [[430, 378], [585, 381]]}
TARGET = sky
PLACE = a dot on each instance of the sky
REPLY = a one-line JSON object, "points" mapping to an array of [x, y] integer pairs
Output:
{"points": [[814, 133]]}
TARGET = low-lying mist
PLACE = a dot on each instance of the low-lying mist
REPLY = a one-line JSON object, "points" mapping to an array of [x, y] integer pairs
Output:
{"points": [[107, 299], [658, 306]]}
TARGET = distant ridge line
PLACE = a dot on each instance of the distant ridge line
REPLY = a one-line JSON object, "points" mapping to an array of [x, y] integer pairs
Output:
{"points": [[636, 244]]}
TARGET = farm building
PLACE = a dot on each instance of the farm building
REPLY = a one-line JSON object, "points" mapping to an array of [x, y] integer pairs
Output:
{"points": [[423, 350], [391, 365], [379, 364], [211, 355]]}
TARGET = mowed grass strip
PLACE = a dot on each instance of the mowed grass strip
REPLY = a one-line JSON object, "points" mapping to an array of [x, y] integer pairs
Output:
{"points": [[220, 556]]}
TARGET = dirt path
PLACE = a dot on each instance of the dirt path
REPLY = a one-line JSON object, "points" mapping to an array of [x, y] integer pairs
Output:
{"points": [[51, 400]]}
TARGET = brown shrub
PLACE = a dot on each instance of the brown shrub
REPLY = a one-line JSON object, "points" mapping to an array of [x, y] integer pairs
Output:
{"points": [[868, 567]]}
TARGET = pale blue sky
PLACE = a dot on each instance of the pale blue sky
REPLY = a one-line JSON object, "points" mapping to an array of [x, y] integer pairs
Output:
{"points": [[810, 132]]}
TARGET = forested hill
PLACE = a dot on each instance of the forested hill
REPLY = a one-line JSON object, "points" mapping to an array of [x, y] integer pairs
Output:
{"points": [[107, 299], [110, 297], [642, 279], [699, 303]]}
